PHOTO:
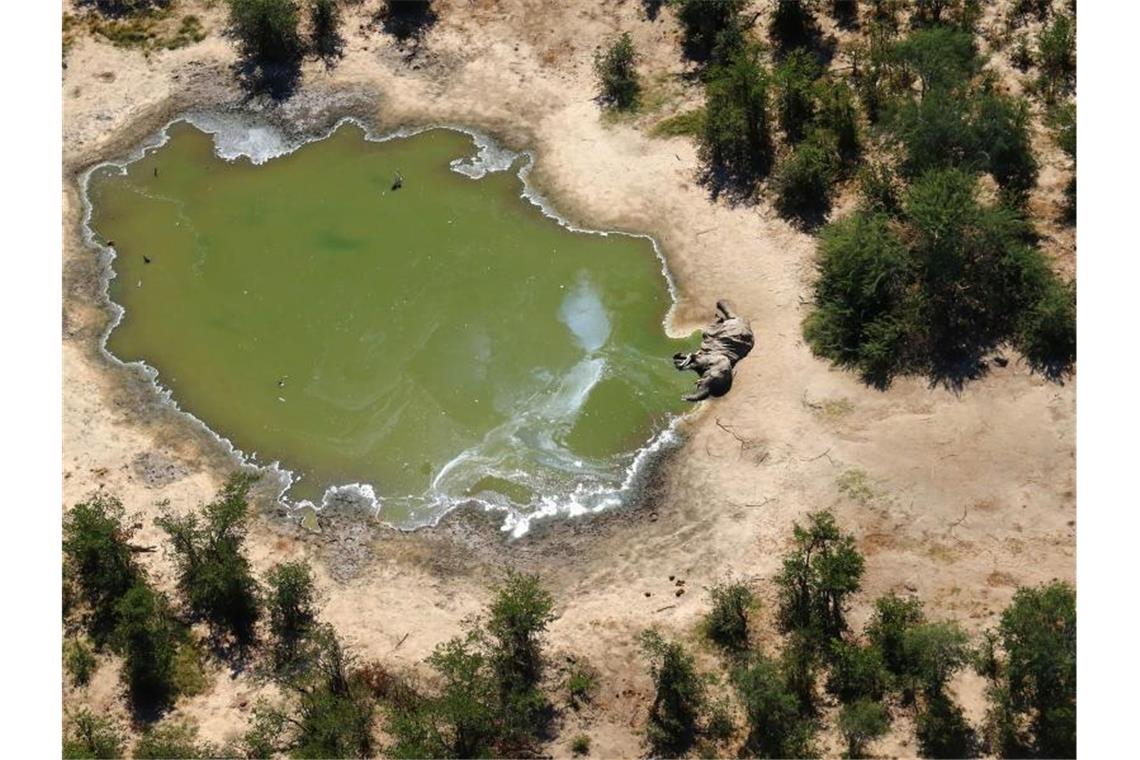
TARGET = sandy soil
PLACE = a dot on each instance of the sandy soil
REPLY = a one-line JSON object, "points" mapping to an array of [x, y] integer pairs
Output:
{"points": [[956, 497]]}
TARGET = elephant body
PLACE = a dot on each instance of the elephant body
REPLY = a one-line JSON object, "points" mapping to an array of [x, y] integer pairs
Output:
{"points": [[723, 343]]}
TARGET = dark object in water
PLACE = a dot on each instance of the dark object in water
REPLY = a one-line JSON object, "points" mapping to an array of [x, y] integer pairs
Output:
{"points": [[110, 243], [398, 182], [156, 171], [146, 259], [723, 343], [281, 382]]}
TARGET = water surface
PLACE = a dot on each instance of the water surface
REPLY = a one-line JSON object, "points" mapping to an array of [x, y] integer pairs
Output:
{"points": [[439, 343]]}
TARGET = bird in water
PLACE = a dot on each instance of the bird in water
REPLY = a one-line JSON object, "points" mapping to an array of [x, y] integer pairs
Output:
{"points": [[281, 382], [398, 182], [146, 259]]}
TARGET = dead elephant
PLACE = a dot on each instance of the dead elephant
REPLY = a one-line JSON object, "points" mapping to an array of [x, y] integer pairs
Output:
{"points": [[723, 343]]}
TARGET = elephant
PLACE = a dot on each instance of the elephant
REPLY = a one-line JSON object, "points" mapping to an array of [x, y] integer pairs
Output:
{"points": [[723, 343]]}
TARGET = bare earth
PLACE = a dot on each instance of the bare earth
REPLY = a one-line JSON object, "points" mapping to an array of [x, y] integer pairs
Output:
{"points": [[956, 497]]}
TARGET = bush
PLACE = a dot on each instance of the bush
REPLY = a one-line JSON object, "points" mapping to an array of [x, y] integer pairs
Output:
{"points": [[680, 700], [98, 557], [1038, 633], [799, 662], [1001, 126], [687, 123], [704, 22], [837, 114], [214, 576], [893, 619], [961, 283], [290, 601], [879, 190], [617, 76], [860, 723], [90, 736], [726, 624], [736, 140], [1047, 330], [172, 739], [335, 711], [580, 685], [804, 180], [795, 93], [79, 661], [932, 653], [580, 745], [324, 18], [146, 636], [940, 57], [267, 30], [776, 727], [857, 672], [819, 574]]}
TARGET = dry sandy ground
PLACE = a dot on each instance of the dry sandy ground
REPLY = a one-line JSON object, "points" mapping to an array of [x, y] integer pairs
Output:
{"points": [[956, 497]]}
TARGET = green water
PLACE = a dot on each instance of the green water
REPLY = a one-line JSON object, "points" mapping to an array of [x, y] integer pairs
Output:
{"points": [[439, 342]]}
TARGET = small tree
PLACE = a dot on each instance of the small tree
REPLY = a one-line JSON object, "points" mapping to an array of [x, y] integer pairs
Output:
{"points": [[146, 636], [324, 18], [726, 623], [819, 574], [98, 556], [893, 619], [804, 180], [517, 619], [267, 30], [335, 711], [91, 736], [617, 75], [704, 23], [1038, 633], [776, 726], [860, 723], [291, 605], [79, 661], [214, 575], [792, 21], [857, 672], [933, 652], [1057, 56], [680, 700], [838, 115], [796, 92], [736, 140]]}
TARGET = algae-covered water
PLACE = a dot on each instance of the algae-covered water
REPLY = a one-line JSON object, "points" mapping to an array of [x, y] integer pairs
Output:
{"points": [[438, 343]]}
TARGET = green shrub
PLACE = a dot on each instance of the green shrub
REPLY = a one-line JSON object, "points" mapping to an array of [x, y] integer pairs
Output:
{"points": [[680, 700], [860, 723], [580, 685], [795, 79], [930, 292], [580, 745], [932, 653], [290, 602], [879, 190], [804, 179], [213, 572], [90, 736], [171, 739], [1047, 330], [517, 619], [736, 139], [79, 661], [98, 556], [189, 670], [147, 637], [857, 672], [818, 575], [617, 76], [726, 624], [893, 618], [941, 58], [799, 663], [334, 716], [1001, 126], [776, 727], [266, 30]]}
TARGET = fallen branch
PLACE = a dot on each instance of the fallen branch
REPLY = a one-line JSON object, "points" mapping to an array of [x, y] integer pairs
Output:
{"points": [[666, 607], [401, 641]]}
